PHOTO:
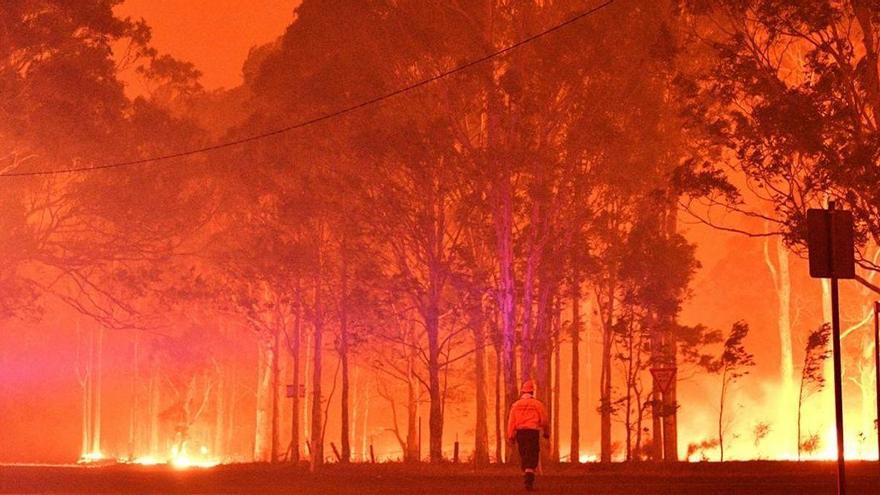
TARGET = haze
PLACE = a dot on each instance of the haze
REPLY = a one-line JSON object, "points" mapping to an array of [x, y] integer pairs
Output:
{"points": [[215, 35]]}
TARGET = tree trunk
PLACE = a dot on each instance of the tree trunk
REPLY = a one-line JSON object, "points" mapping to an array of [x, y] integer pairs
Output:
{"points": [[263, 422], [481, 429], [85, 378], [231, 394], [317, 441], [786, 365], [355, 417], [629, 368], [605, 381], [657, 399], [220, 415], [306, 402], [499, 438], [154, 407], [276, 383], [639, 422], [295, 365], [501, 193], [343, 356], [721, 414], [543, 354], [529, 341], [413, 435], [799, 405], [435, 415], [99, 364], [133, 406], [365, 425], [670, 407], [862, 11], [503, 213], [557, 368], [574, 446], [780, 274], [670, 398]]}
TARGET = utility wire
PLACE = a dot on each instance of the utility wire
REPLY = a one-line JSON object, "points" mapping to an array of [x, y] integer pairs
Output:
{"points": [[321, 118]]}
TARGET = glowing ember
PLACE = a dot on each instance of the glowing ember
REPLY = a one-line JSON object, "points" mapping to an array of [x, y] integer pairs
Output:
{"points": [[89, 457], [180, 459], [588, 458]]}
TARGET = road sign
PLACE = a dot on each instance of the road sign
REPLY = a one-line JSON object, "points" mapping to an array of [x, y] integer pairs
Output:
{"points": [[830, 243], [663, 378]]}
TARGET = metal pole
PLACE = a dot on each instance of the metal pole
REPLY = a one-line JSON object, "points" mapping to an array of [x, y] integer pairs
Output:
{"points": [[877, 368], [838, 385], [838, 388]]}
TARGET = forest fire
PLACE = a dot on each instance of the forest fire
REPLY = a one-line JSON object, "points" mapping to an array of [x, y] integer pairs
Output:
{"points": [[419, 237], [183, 460], [178, 460]]}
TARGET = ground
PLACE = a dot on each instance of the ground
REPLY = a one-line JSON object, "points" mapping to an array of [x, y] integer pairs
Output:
{"points": [[747, 478]]}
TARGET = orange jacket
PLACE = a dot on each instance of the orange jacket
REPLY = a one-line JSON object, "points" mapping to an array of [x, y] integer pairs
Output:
{"points": [[526, 414]]}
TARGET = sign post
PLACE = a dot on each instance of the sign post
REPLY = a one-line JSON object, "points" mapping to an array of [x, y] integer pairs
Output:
{"points": [[832, 255], [877, 368], [663, 377]]}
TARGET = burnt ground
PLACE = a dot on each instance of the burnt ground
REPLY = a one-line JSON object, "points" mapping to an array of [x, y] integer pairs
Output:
{"points": [[747, 478]]}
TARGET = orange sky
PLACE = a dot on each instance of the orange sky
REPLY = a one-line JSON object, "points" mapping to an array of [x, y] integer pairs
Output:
{"points": [[214, 34]]}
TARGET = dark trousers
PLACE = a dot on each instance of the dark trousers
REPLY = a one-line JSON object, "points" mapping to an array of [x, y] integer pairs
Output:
{"points": [[529, 444]]}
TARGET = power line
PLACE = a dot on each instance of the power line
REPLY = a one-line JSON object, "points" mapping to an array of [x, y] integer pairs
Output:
{"points": [[321, 118]]}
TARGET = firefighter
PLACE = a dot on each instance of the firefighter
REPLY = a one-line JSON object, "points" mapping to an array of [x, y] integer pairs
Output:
{"points": [[528, 418]]}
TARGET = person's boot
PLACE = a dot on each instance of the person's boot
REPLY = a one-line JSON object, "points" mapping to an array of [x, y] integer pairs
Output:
{"points": [[530, 480]]}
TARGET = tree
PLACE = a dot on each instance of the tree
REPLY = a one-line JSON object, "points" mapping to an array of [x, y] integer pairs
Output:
{"points": [[733, 363], [812, 376], [85, 239], [400, 363], [791, 89]]}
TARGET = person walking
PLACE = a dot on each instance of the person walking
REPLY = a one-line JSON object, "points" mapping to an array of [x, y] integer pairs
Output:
{"points": [[528, 418]]}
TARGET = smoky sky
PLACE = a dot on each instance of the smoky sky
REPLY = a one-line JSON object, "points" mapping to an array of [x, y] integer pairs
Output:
{"points": [[215, 35]]}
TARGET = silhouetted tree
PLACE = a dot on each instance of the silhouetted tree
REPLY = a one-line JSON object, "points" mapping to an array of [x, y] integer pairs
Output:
{"points": [[816, 353], [733, 363]]}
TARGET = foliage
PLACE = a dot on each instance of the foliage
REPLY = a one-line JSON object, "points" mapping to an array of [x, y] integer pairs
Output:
{"points": [[817, 351], [791, 91], [733, 364]]}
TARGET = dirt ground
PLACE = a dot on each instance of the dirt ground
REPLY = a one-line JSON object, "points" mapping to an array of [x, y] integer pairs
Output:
{"points": [[747, 478]]}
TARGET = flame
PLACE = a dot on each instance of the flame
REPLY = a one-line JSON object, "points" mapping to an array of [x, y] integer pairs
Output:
{"points": [[179, 459], [89, 457]]}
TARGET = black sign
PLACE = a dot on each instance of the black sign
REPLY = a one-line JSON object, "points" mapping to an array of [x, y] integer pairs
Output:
{"points": [[830, 242]]}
